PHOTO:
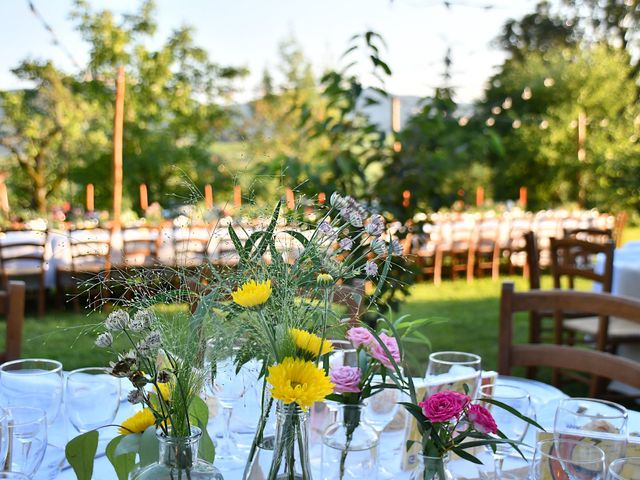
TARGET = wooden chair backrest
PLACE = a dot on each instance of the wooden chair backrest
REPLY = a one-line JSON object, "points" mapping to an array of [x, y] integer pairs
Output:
{"points": [[94, 248], [597, 363], [32, 250], [142, 241], [194, 245], [533, 264], [572, 258], [593, 235], [12, 303]]}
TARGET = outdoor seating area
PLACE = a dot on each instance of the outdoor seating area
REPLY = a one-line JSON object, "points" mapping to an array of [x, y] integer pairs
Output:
{"points": [[374, 239]]}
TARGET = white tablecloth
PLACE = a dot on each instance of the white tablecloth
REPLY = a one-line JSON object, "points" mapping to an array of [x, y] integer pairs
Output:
{"points": [[246, 413]]}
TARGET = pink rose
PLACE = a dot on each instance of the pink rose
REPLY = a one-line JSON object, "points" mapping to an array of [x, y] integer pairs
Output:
{"points": [[378, 352], [481, 419], [346, 379], [360, 337], [444, 406]]}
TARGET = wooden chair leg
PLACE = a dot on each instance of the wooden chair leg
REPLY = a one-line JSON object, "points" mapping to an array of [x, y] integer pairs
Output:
{"points": [[471, 261], [495, 265], [437, 269]]}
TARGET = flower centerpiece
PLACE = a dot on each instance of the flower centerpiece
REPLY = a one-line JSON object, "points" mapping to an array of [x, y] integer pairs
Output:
{"points": [[353, 386]]}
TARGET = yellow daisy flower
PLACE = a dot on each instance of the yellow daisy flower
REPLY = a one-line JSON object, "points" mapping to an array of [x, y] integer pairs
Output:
{"points": [[165, 390], [138, 422], [299, 381], [310, 343], [252, 293]]}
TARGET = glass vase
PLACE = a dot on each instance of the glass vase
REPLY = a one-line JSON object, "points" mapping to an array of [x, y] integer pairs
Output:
{"points": [[178, 460], [432, 468], [349, 446], [291, 444], [261, 450]]}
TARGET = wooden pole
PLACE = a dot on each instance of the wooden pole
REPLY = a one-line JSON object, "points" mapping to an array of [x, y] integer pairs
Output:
{"points": [[208, 196], [479, 196], [582, 154], [291, 199], [322, 198], [4, 197], [90, 198], [406, 198], [523, 197], [237, 196], [117, 148], [144, 197], [395, 122]]}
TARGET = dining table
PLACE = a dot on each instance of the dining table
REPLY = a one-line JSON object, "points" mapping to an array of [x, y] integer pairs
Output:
{"points": [[545, 399]]}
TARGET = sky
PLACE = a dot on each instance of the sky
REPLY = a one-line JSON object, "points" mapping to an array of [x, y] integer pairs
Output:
{"points": [[248, 32]]}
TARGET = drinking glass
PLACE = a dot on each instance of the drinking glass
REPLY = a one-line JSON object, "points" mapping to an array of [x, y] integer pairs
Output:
{"points": [[4, 435], [32, 382], [565, 459], [27, 439], [624, 469], [602, 422], [513, 427], [453, 370], [380, 409], [343, 354], [12, 476], [92, 398], [227, 387]]}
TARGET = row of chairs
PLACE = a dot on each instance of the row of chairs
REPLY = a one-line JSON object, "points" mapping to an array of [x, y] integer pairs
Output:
{"points": [[473, 248]]}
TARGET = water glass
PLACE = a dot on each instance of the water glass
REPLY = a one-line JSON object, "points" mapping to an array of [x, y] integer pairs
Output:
{"points": [[32, 382], [13, 476], [381, 408], [602, 422], [624, 469], [513, 427], [343, 354], [4, 435], [27, 439], [92, 398], [564, 459], [452, 371]]}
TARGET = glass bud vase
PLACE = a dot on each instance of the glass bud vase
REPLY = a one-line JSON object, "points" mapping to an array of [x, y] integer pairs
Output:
{"points": [[349, 446], [261, 450], [432, 468], [291, 444], [178, 460]]}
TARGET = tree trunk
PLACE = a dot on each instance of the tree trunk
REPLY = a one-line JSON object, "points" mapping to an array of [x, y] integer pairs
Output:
{"points": [[40, 199]]}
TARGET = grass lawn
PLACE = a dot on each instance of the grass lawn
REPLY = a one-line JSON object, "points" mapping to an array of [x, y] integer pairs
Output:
{"points": [[469, 313]]}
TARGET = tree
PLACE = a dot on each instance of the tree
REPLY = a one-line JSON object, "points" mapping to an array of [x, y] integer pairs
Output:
{"points": [[43, 128]]}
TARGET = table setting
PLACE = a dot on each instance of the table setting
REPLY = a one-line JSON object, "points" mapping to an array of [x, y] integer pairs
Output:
{"points": [[257, 375]]}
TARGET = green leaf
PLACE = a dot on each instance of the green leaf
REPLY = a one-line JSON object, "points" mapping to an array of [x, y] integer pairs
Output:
{"points": [[80, 453], [122, 464], [298, 236], [207, 449], [513, 411], [237, 243], [467, 456], [199, 411], [268, 236], [148, 447], [129, 444]]}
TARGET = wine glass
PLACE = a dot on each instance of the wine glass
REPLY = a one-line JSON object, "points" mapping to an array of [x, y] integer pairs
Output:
{"points": [[27, 439], [599, 420], [32, 382], [92, 398], [452, 371], [624, 469], [227, 387], [37, 382], [4, 435], [565, 459], [380, 410], [513, 427]]}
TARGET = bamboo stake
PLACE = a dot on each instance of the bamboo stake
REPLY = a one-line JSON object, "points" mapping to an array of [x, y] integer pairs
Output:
{"points": [[117, 148]]}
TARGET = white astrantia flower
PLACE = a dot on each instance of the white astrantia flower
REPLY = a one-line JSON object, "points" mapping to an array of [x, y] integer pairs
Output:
{"points": [[325, 228], [379, 246], [117, 320], [104, 340], [355, 219], [375, 227], [337, 201], [396, 247], [346, 244], [135, 397], [140, 321], [151, 343], [371, 269]]}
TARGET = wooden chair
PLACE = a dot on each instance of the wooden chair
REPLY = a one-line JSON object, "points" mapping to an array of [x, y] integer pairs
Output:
{"points": [[423, 246], [22, 257], [12, 306], [593, 235], [140, 246], [515, 247], [570, 259], [190, 245], [459, 247], [487, 247], [593, 362], [90, 250]]}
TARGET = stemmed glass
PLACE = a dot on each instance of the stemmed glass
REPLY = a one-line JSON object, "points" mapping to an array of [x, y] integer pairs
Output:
{"points": [[92, 398], [453, 370], [624, 469], [27, 439], [599, 420], [227, 387], [565, 459], [4, 435], [513, 427], [38, 383], [380, 410]]}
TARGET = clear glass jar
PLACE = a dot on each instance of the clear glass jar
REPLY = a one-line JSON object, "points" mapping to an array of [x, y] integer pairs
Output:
{"points": [[349, 446], [291, 444], [178, 460], [432, 468]]}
